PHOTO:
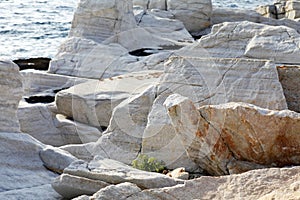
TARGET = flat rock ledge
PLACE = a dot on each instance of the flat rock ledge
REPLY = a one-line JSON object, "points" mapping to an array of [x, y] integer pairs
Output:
{"points": [[100, 173]]}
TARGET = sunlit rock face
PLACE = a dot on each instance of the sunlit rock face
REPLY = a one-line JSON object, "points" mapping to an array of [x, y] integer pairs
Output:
{"points": [[99, 20], [235, 137]]}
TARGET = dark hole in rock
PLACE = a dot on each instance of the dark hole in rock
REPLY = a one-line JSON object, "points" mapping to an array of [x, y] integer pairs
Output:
{"points": [[103, 128], [70, 118], [197, 37], [33, 63], [201, 33], [143, 52], [58, 90], [39, 99]]}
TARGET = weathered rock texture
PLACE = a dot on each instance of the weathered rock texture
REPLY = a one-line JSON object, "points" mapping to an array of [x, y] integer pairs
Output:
{"points": [[11, 93], [251, 40], [216, 137], [209, 81], [99, 20], [289, 78]]}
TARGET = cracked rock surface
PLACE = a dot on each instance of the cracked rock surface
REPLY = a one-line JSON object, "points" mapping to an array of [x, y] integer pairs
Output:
{"points": [[216, 137]]}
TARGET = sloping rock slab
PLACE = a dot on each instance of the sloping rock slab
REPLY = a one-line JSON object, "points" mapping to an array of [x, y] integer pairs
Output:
{"points": [[92, 102]]}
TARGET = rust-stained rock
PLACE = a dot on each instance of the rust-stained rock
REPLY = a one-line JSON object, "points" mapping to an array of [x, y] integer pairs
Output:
{"points": [[257, 135], [236, 137], [202, 142]]}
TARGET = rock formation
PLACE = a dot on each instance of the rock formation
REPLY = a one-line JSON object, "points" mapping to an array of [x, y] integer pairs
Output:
{"points": [[132, 81]]}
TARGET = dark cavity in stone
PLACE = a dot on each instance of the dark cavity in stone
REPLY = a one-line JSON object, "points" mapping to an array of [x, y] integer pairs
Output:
{"points": [[33, 63], [143, 52], [39, 99]]}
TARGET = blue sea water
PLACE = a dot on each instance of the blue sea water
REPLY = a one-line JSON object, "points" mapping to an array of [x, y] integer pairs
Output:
{"points": [[36, 28]]}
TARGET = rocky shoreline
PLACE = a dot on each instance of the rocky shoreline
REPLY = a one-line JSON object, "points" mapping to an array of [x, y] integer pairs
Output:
{"points": [[211, 93]]}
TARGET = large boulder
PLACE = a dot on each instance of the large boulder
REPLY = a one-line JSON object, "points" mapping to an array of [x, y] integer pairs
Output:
{"points": [[214, 81], [206, 81], [251, 40], [217, 136], [98, 20], [11, 93], [92, 102]]}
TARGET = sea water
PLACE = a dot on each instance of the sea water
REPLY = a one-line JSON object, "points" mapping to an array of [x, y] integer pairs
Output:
{"points": [[36, 28]]}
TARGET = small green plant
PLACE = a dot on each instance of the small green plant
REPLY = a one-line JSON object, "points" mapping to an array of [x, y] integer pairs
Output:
{"points": [[150, 164]]}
